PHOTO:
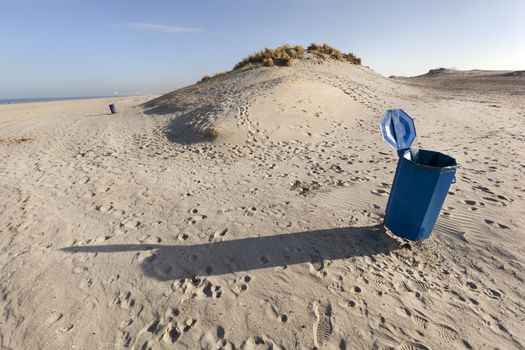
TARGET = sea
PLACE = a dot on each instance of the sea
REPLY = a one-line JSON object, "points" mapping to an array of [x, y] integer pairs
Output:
{"points": [[44, 99]]}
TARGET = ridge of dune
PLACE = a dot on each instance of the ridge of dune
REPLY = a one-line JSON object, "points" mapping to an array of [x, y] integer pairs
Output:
{"points": [[480, 82], [472, 73], [216, 107]]}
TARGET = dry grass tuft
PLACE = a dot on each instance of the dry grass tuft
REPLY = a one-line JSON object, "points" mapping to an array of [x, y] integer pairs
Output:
{"points": [[325, 51], [268, 62], [212, 133], [285, 55], [207, 77], [281, 56]]}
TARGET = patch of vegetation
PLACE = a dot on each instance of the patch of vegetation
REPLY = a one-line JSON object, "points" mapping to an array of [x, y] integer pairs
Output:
{"points": [[281, 56], [437, 71], [284, 55], [213, 133], [207, 77], [326, 51]]}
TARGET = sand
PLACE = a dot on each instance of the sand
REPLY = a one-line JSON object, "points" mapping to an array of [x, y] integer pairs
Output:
{"points": [[136, 231]]}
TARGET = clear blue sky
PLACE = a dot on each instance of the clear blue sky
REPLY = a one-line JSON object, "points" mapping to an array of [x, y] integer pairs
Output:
{"points": [[93, 47]]}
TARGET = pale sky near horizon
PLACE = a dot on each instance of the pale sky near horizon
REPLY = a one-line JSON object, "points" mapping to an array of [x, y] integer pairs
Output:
{"points": [[93, 48]]}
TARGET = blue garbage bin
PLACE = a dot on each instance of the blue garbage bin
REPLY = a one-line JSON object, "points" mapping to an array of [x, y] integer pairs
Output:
{"points": [[112, 108], [421, 181]]}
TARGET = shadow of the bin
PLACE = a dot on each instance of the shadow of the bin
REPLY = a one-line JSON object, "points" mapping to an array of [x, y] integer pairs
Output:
{"points": [[184, 261]]}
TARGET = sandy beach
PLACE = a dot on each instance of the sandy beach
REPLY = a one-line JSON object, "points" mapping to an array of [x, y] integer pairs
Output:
{"points": [[245, 212]]}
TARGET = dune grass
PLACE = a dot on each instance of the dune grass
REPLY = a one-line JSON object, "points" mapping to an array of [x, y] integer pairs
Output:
{"points": [[208, 77], [325, 51], [281, 56], [284, 55]]}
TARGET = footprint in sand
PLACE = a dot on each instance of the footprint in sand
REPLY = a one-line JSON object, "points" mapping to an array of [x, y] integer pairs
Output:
{"points": [[104, 207], [257, 343], [446, 332], [493, 223], [212, 291], [168, 332], [492, 293], [215, 339], [217, 235], [316, 263], [420, 321], [337, 284], [54, 317], [195, 219], [66, 328], [130, 224], [182, 236], [124, 300], [127, 323], [473, 204], [103, 238], [123, 339], [241, 285], [282, 318], [459, 296], [421, 286], [173, 332], [472, 285], [85, 284], [494, 201], [250, 211], [413, 346], [377, 279], [323, 326], [197, 288]]}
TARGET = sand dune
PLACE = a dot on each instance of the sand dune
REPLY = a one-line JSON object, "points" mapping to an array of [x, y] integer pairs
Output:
{"points": [[472, 81], [245, 212]]}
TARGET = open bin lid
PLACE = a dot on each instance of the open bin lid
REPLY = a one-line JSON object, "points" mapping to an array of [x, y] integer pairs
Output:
{"points": [[397, 129]]}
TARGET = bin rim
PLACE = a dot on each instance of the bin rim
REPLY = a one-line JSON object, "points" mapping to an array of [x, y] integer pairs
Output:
{"points": [[440, 169]]}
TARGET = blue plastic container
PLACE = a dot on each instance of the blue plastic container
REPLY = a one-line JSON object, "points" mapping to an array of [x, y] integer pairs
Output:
{"points": [[420, 187], [421, 182], [112, 108]]}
